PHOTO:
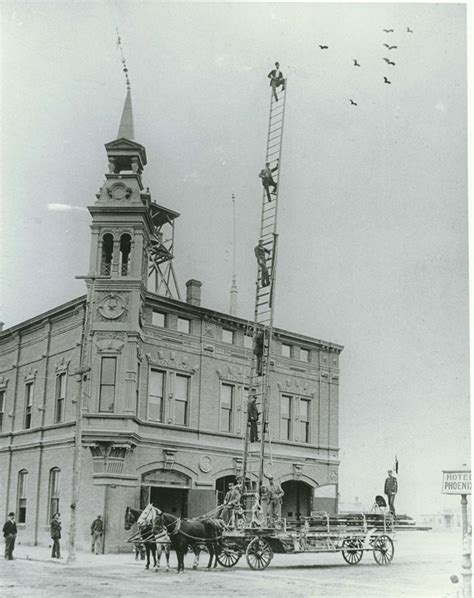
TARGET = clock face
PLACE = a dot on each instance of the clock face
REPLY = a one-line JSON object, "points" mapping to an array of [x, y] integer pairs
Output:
{"points": [[118, 193]]}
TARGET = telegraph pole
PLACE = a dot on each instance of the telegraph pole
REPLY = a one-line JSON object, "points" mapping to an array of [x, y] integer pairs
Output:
{"points": [[84, 369], [233, 288]]}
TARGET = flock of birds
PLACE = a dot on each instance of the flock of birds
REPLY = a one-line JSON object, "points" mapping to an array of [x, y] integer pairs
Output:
{"points": [[386, 60]]}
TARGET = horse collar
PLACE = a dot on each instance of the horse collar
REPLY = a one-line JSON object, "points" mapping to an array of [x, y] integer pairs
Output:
{"points": [[177, 526]]}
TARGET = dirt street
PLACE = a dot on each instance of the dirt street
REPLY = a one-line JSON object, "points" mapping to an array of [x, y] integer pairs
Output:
{"points": [[421, 567]]}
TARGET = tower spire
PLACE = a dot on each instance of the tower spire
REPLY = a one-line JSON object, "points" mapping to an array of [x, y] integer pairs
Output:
{"points": [[126, 122]]}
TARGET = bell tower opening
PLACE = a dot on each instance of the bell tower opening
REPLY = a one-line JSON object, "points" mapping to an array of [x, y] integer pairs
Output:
{"points": [[125, 254], [107, 254]]}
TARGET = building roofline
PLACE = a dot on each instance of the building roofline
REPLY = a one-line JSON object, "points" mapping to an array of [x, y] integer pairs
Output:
{"points": [[64, 307], [212, 314]]}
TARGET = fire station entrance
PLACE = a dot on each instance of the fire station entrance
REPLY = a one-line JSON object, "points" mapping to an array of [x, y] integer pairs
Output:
{"points": [[167, 490], [297, 502]]}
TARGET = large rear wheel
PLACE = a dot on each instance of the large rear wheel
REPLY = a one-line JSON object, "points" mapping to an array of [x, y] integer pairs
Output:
{"points": [[383, 550], [259, 554]]}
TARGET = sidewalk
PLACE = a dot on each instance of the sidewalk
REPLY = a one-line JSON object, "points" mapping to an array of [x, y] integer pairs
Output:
{"points": [[43, 554]]}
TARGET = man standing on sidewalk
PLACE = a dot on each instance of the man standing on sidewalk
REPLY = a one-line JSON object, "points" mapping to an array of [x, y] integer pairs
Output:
{"points": [[56, 536], [9, 533], [97, 529]]}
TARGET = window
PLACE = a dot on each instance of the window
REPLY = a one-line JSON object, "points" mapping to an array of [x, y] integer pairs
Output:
{"points": [[107, 252], [155, 395], [60, 397], [181, 395], [2, 408], [107, 384], [28, 404], [227, 402], [184, 325], [304, 355], [21, 502], [53, 493], [125, 249], [248, 341], [286, 416], [286, 350], [158, 319], [228, 336], [304, 420]]}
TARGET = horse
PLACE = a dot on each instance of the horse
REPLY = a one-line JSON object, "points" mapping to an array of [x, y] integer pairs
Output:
{"points": [[187, 532], [146, 532]]}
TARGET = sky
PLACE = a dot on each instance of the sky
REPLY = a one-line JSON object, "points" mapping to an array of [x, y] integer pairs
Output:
{"points": [[373, 230]]}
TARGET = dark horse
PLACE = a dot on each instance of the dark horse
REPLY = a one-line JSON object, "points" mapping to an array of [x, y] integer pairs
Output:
{"points": [[146, 532], [187, 532]]}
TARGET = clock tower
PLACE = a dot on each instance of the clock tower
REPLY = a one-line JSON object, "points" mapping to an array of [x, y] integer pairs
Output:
{"points": [[127, 248]]}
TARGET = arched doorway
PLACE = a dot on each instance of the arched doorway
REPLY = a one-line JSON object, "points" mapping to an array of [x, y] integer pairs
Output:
{"points": [[297, 502], [166, 489]]}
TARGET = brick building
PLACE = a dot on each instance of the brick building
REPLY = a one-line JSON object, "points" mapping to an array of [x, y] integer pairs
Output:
{"points": [[164, 391]]}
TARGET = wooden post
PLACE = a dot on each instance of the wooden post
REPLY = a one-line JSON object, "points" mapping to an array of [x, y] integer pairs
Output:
{"points": [[466, 550]]}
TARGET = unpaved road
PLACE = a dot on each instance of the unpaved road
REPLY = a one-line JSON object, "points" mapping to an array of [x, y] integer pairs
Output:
{"points": [[421, 567]]}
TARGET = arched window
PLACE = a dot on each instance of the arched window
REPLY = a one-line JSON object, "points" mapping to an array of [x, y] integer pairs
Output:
{"points": [[53, 493], [125, 250], [107, 253], [21, 496]]}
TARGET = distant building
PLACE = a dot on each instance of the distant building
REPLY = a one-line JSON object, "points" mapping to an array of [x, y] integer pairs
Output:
{"points": [[164, 390], [446, 519]]}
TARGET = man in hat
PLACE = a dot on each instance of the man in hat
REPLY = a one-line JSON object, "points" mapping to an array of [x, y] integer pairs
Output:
{"points": [[390, 490], [231, 502], [9, 533], [252, 417], [267, 179], [276, 80], [276, 498], [56, 536], [97, 529], [260, 251]]}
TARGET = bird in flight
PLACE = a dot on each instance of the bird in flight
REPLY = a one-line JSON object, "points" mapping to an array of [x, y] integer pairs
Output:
{"points": [[388, 30], [323, 47], [353, 103], [390, 47], [409, 30], [385, 80], [355, 62], [389, 61]]}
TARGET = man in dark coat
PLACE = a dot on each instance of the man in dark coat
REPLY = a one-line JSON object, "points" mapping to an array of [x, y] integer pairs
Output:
{"points": [[258, 348], [252, 415], [390, 489], [9, 533], [276, 79], [56, 535], [97, 529]]}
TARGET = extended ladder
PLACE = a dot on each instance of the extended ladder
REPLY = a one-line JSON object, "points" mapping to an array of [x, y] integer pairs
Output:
{"points": [[265, 295]]}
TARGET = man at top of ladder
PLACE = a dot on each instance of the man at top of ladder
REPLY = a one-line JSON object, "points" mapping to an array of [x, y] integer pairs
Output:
{"points": [[276, 79]]}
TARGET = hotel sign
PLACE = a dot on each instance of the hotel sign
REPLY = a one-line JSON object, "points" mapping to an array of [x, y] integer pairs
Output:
{"points": [[456, 482]]}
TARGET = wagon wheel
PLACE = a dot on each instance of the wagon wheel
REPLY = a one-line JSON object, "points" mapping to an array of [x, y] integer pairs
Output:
{"points": [[383, 550], [229, 555], [352, 550], [259, 554]]}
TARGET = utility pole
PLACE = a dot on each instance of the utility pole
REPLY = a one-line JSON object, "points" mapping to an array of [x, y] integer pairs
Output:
{"points": [[82, 372]]}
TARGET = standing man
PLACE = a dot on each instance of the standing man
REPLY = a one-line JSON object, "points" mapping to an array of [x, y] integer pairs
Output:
{"points": [[231, 502], [390, 490], [260, 251], [276, 498], [267, 179], [9, 533], [97, 529], [276, 79], [264, 503], [56, 535], [252, 417]]}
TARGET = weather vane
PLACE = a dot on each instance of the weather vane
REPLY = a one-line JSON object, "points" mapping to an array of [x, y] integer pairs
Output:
{"points": [[124, 64]]}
